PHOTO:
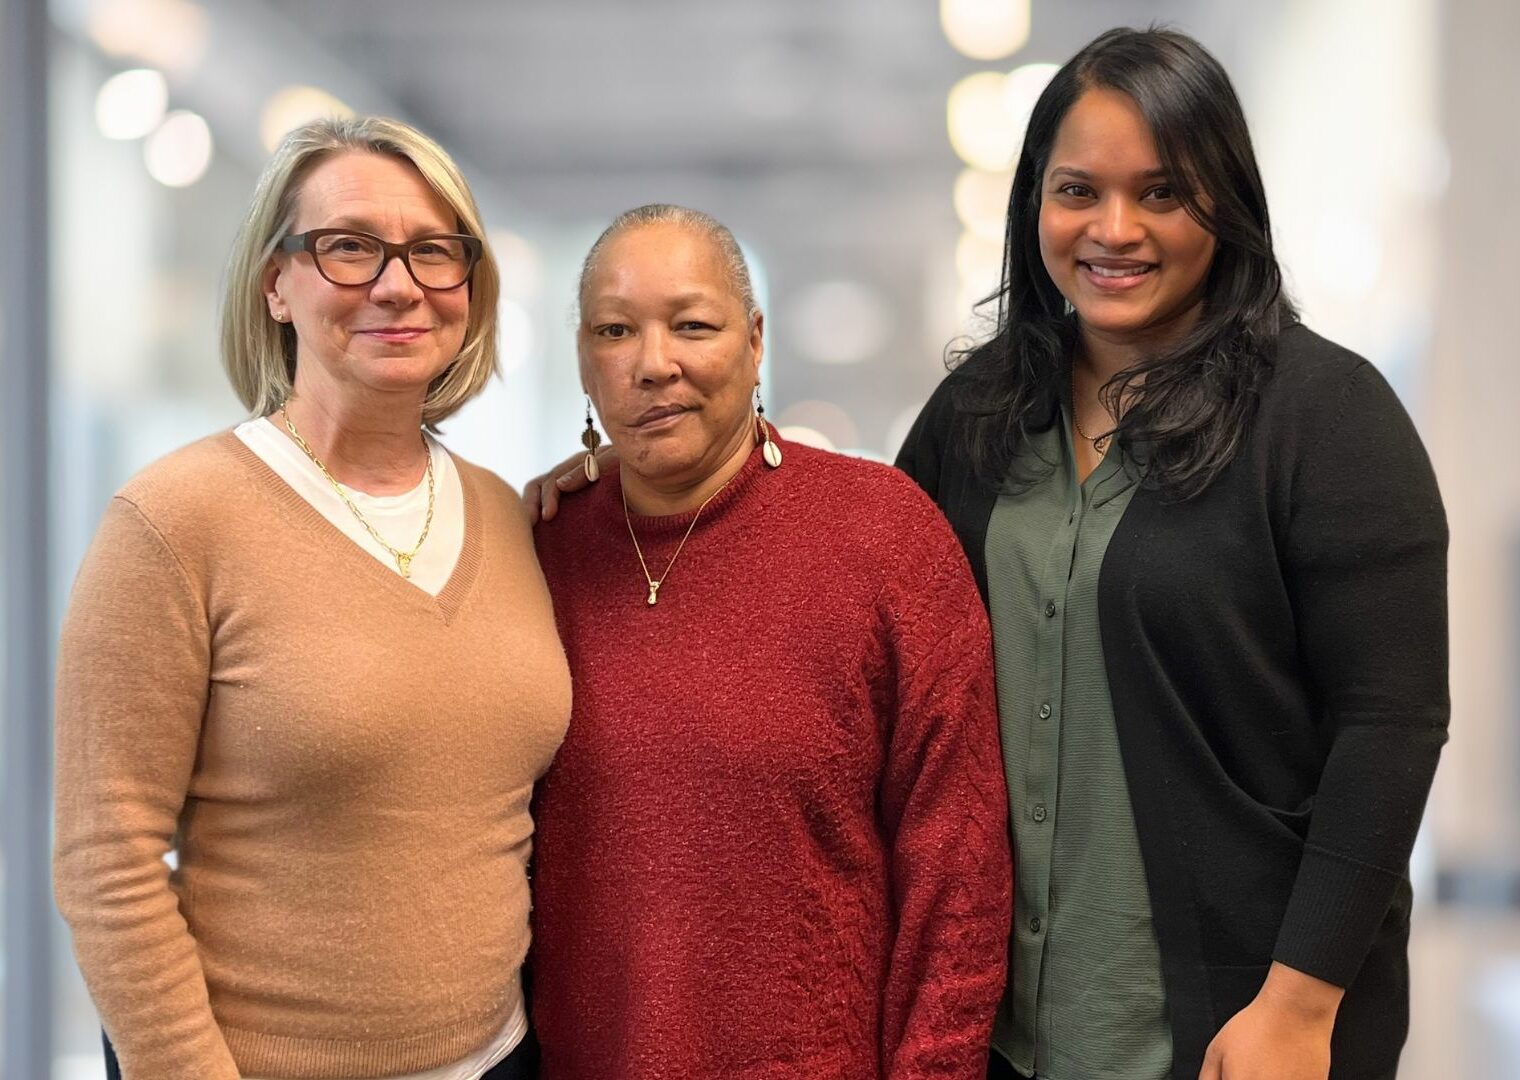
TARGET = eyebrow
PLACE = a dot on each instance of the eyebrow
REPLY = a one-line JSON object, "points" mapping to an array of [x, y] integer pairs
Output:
{"points": [[362, 224], [1082, 174], [689, 298], [677, 302]]}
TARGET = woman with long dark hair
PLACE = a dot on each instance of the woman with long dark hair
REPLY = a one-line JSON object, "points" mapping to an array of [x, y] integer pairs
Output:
{"points": [[1214, 555]]}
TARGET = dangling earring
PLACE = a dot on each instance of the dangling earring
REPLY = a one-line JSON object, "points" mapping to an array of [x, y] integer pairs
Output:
{"points": [[771, 452], [591, 439]]}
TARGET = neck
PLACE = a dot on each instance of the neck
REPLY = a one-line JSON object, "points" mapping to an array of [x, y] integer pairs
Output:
{"points": [[658, 497], [369, 442], [1102, 355]]}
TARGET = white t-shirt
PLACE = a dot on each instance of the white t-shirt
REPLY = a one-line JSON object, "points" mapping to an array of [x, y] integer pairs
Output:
{"points": [[399, 519], [480, 1062]]}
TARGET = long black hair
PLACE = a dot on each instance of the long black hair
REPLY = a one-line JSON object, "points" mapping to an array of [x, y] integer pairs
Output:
{"points": [[1186, 410]]}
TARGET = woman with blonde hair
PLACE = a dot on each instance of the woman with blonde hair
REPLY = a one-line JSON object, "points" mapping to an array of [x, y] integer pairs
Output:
{"points": [[315, 659]]}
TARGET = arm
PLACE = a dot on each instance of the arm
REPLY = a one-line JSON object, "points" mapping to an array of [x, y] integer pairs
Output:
{"points": [[133, 671], [1365, 561], [944, 807]]}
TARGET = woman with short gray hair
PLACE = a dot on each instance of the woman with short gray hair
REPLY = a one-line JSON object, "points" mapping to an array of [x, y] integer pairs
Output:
{"points": [[775, 841]]}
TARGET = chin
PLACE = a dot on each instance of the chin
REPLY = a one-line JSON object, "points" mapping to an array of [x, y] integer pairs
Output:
{"points": [[655, 457], [1110, 318], [401, 372]]}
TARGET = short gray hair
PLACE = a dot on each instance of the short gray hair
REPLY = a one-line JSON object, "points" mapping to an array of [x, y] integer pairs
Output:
{"points": [[734, 264]]}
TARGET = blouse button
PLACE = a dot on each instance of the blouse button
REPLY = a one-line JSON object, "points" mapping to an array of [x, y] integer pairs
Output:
{"points": [[1050, 609]]}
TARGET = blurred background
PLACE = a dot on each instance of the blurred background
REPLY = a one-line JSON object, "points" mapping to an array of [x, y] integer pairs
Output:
{"points": [[860, 150]]}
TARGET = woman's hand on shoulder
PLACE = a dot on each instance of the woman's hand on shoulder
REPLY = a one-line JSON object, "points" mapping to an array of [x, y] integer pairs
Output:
{"points": [[541, 495], [1284, 1034]]}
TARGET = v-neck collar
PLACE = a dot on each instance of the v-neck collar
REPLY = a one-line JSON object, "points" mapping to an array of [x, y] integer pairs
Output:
{"points": [[466, 569], [1115, 474]]}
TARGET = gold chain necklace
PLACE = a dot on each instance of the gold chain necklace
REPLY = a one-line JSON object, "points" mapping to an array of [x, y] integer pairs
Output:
{"points": [[403, 558], [1102, 440], [654, 585]]}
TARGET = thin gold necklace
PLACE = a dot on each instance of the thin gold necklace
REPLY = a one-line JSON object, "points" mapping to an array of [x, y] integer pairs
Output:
{"points": [[1101, 441], [654, 584], [403, 558]]}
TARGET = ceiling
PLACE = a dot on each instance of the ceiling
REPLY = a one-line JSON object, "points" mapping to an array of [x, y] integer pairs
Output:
{"points": [[814, 128]]}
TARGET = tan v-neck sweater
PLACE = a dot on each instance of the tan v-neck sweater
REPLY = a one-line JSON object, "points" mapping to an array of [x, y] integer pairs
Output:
{"points": [[341, 762]]}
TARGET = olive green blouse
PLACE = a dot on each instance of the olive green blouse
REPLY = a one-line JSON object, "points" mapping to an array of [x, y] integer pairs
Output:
{"points": [[1085, 999]]}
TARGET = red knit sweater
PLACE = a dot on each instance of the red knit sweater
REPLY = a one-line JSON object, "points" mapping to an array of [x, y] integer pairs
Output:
{"points": [[775, 840]]}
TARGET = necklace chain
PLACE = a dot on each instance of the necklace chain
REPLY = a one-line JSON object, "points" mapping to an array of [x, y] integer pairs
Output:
{"points": [[403, 558], [1101, 441], [655, 583]]}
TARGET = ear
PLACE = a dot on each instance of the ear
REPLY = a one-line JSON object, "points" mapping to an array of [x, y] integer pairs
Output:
{"points": [[583, 363], [270, 286], [757, 341]]}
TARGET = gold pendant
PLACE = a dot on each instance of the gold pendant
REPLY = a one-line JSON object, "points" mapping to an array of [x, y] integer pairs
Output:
{"points": [[654, 593], [404, 564]]}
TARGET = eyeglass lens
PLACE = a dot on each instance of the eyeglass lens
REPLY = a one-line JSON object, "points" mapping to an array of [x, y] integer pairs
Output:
{"points": [[355, 259]]}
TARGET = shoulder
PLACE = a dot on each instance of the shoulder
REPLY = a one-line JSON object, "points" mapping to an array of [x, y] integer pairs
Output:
{"points": [[1317, 388], [942, 409], [1329, 418], [929, 453], [874, 504], [487, 483], [191, 485], [178, 508], [895, 542], [1308, 370], [500, 505]]}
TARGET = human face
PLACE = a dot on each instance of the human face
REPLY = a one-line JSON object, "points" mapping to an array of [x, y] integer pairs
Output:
{"points": [[1114, 237], [391, 335], [668, 354]]}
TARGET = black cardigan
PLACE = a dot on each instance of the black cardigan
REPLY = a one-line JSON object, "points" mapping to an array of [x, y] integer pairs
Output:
{"points": [[1276, 652]]}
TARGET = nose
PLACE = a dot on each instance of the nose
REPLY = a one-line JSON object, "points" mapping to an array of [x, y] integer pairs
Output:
{"points": [[1117, 224], [395, 285], [656, 362]]}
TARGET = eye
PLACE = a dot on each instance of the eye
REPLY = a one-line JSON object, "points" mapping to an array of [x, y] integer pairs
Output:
{"points": [[1162, 193], [345, 245], [613, 331], [1075, 190], [695, 326]]}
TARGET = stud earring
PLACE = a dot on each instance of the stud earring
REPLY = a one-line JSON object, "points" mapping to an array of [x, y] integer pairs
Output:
{"points": [[771, 452], [591, 439]]}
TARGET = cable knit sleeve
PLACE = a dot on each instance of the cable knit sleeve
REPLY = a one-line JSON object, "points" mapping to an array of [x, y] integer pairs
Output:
{"points": [[132, 686], [944, 806], [1366, 566]]}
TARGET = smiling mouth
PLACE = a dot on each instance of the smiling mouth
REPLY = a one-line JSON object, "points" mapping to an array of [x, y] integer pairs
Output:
{"points": [[397, 333], [1122, 276]]}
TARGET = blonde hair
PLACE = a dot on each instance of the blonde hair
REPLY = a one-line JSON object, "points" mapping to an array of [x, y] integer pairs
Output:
{"points": [[734, 264], [259, 353]]}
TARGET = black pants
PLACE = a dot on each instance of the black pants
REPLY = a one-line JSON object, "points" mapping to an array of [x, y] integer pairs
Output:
{"points": [[520, 1064], [997, 1068]]}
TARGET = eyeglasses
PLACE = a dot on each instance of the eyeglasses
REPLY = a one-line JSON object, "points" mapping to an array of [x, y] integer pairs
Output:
{"points": [[345, 257]]}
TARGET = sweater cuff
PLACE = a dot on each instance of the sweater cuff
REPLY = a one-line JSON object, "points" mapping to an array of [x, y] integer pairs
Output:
{"points": [[1334, 914]]}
